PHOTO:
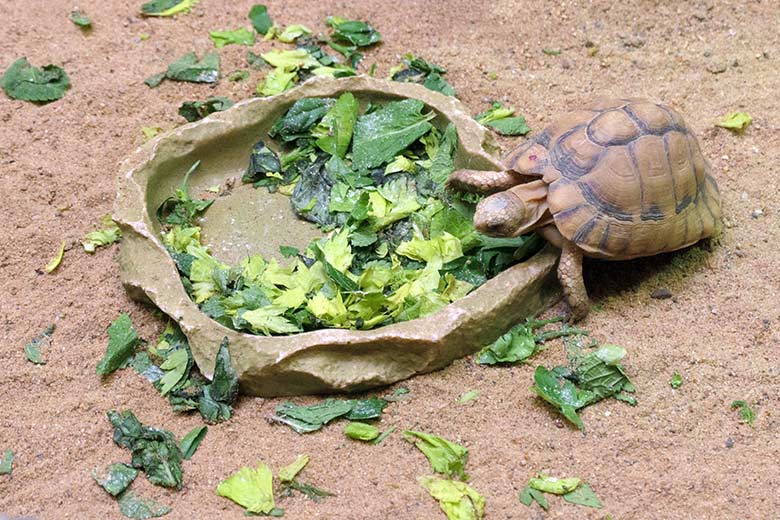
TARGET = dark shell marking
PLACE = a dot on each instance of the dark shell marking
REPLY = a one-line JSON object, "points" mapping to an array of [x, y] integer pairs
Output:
{"points": [[630, 180]]}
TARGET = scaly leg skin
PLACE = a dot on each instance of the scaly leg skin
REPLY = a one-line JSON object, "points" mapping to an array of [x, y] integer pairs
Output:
{"points": [[487, 182], [570, 277]]}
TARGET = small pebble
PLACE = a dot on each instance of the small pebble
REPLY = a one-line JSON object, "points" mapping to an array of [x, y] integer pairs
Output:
{"points": [[717, 67], [661, 294], [757, 213], [729, 442]]}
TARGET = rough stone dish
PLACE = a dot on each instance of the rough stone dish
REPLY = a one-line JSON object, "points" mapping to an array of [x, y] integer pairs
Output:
{"points": [[328, 360]]}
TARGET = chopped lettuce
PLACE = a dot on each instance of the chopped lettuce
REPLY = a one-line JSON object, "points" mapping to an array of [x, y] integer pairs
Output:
{"points": [[167, 7], [240, 36], [458, 500], [250, 488], [109, 234], [445, 457]]}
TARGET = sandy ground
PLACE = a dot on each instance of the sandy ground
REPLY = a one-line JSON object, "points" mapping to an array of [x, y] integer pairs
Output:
{"points": [[669, 457]]}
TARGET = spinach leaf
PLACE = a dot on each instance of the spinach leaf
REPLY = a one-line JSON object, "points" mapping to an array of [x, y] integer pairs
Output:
{"points": [[443, 163], [380, 135], [301, 118], [115, 478], [188, 68], [311, 195], [306, 419], [215, 402], [190, 442], [567, 397], [25, 82], [262, 162], [417, 70], [260, 18], [357, 33], [122, 340], [138, 508], [196, 110], [154, 450]]}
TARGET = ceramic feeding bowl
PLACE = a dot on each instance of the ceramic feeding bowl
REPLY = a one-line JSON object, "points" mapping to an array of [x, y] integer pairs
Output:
{"points": [[250, 220]]}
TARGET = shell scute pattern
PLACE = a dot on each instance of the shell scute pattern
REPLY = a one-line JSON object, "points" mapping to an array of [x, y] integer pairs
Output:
{"points": [[630, 180]]}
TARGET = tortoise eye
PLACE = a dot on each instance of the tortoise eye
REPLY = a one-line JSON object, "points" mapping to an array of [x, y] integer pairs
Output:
{"points": [[532, 157]]}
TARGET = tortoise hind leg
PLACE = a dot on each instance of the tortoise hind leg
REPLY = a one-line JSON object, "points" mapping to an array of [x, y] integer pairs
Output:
{"points": [[570, 277], [477, 181]]}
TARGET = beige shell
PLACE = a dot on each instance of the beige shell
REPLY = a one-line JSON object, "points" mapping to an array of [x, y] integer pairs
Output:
{"points": [[627, 179]]}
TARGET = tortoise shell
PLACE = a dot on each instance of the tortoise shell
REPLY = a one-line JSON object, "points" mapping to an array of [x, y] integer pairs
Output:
{"points": [[626, 179]]}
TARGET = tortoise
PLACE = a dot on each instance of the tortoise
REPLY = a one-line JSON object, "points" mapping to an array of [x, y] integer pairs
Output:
{"points": [[616, 179]]}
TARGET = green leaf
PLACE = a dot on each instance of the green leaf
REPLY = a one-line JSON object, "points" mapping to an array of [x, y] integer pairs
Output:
{"points": [[55, 262], [600, 374], [188, 68], [306, 419], [250, 488], [567, 397], [363, 409], [556, 486], [334, 133], [746, 413], [260, 18], [437, 83], [290, 60], [312, 492], [32, 350], [262, 162], [529, 495], [196, 110], [458, 500], [181, 209], [468, 396], [240, 36], [499, 119], [357, 33], [380, 135], [7, 462], [737, 122], [137, 508], [115, 478], [518, 344], [190, 442], [583, 496], [167, 7], [276, 82], [361, 431], [270, 320], [552, 52], [102, 237], [154, 450], [122, 340], [443, 163], [289, 472], [215, 403], [154, 81], [25, 82], [80, 18], [301, 118], [676, 381], [417, 70], [445, 457]]}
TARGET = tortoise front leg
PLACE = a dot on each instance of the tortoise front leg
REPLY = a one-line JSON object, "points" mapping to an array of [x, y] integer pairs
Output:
{"points": [[570, 277], [477, 181]]}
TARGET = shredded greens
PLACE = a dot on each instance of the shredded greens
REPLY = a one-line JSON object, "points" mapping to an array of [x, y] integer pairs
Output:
{"points": [[399, 247]]}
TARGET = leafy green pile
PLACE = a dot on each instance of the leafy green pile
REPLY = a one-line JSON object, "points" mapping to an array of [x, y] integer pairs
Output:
{"points": [[399, 246], [28, 83], [521, 342], [589, 378]]}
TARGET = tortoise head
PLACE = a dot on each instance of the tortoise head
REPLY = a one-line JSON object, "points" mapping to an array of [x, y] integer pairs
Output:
{"points": [[530, 158], [512, 212]]}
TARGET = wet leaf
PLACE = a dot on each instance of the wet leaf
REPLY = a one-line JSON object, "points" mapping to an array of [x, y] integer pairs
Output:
{"points": [[138, 508], [566, 397], [188, 68], [28, 83], [115, 478]]}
